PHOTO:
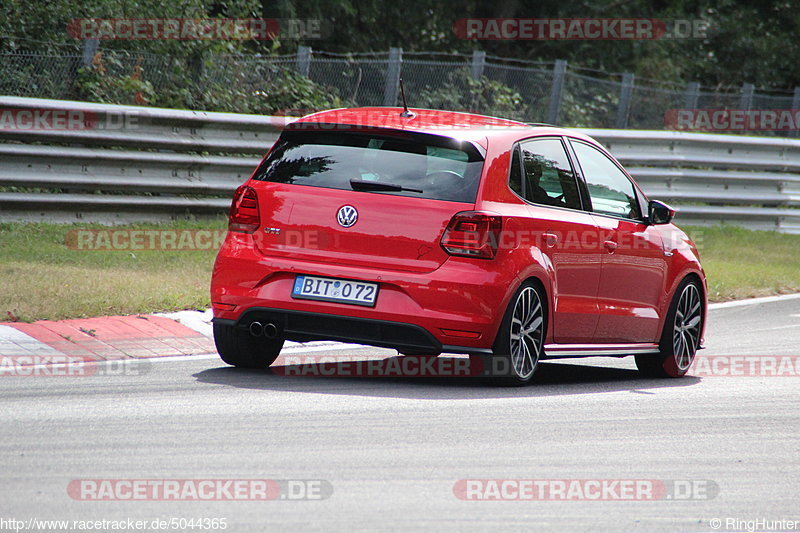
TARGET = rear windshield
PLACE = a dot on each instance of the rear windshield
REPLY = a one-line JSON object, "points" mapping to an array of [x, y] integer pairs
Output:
{"points": [[416, 165]]}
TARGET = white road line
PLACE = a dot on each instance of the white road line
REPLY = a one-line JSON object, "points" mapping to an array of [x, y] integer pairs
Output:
{"points": [[754, 301]]}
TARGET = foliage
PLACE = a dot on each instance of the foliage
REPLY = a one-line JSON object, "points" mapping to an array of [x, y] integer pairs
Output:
{"points": [[461, 92], [96, 85], [588, 110], [112, 79]]}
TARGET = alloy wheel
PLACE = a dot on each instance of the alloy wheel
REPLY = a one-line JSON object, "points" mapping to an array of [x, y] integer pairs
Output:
{"points": [[527, 333], [686, 330]]}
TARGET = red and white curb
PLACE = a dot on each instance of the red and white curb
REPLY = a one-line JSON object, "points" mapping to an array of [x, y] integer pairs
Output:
{"points": [[161, 335], [103, 338]]}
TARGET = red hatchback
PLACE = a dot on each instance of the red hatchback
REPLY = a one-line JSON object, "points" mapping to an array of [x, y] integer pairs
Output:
{"points": [[435, 231]]}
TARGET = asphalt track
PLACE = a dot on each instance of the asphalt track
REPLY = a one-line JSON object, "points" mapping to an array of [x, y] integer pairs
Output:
{"points": [[389, 453]]}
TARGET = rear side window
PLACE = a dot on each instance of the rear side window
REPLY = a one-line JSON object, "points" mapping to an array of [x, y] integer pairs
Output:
{"points": [[547, 176], [417, 165], [515, 174]]}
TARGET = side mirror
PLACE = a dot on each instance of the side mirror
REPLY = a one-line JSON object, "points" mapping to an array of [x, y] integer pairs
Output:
{"points": [[659, 212]]}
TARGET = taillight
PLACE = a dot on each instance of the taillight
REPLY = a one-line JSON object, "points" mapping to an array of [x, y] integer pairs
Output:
{"points": [[473, 234], [244, 215]]}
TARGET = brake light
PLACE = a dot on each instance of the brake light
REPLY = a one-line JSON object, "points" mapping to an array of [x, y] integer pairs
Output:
{"points": [[473, 234], [244, 215]]}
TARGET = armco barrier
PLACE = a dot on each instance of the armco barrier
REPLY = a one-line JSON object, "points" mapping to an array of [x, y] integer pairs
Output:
{"points": [[127, 163]]}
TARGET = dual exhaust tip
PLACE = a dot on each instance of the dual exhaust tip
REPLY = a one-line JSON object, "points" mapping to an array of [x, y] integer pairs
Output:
{"points": [[268, 330]]}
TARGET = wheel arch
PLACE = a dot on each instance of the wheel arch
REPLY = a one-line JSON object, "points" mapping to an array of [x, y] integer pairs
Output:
{"points": [[537, 280], [670, 296]]}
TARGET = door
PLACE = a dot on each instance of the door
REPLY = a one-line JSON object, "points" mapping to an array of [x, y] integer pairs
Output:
{"points": [[562, 228], [634, 268]]}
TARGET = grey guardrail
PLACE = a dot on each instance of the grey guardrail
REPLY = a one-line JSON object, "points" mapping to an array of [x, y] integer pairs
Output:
{"points": [[124, 163], [752, 182], [111, 163]]}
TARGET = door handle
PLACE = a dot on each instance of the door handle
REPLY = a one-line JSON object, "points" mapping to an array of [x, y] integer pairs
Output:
{"points": [[550, 239], [611, 246]]}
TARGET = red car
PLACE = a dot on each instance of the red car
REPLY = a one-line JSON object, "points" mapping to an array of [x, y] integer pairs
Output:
{"points": [[436, 231]]}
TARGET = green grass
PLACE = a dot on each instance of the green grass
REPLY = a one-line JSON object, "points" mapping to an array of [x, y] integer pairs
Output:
{"points": [[43, 278], [742, 264]]}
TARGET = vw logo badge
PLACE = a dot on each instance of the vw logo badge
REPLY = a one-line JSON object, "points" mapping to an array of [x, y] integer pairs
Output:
{"points": [[347, 216]]}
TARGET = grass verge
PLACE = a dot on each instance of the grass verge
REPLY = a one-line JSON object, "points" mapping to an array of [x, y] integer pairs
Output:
{"points": [[43, 276], [740, 263]]}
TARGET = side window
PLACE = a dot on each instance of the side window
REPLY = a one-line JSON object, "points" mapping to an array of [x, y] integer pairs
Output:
{"points": [[610, 190], [548, 178], [515, 173]]}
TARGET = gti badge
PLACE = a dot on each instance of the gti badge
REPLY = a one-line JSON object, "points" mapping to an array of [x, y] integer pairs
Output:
{"points": [[347, 216]]}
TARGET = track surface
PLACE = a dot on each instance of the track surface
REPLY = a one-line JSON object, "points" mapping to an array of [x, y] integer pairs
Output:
{"points": [[393, 449]]}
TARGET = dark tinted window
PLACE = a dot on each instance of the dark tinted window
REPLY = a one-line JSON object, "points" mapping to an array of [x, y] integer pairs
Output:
{"points": [[548, 175], [515, 173], [439, 167], [610, 190]]}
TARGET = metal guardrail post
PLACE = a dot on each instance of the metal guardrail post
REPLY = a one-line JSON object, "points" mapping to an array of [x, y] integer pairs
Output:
{"points": [[89, 50], [303, 61], [392, 76], [746, 101], [478, 62], [692, 95], [556, 90], [625, 95]]}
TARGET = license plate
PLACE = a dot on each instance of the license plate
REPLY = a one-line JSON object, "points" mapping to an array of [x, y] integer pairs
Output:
{"points": [[335, 290]]}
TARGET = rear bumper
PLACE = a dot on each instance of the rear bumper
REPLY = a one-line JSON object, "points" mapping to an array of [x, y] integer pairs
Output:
{"points": [[304, 327], [456, 308]]}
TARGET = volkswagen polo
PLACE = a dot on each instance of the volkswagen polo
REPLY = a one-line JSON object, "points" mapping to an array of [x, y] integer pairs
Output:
{"points": [[436, 232]]}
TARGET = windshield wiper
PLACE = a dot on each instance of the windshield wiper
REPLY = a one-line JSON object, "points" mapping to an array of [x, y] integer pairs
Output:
{"points": [[361, 185]]}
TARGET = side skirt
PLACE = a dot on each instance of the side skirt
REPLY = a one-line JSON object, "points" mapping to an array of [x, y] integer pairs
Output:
{"points": [[553, 351]]}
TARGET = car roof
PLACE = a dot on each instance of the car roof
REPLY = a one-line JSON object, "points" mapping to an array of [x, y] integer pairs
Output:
{"points": [[455, 124]]}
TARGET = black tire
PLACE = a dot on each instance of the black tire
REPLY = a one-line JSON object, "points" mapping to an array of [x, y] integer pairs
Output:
{"points": [[239, 348], [515, 360], [680, 338]]}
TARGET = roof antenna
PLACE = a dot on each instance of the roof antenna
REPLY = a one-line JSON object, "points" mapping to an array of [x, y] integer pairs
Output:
{"points": [[406, 113]]}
